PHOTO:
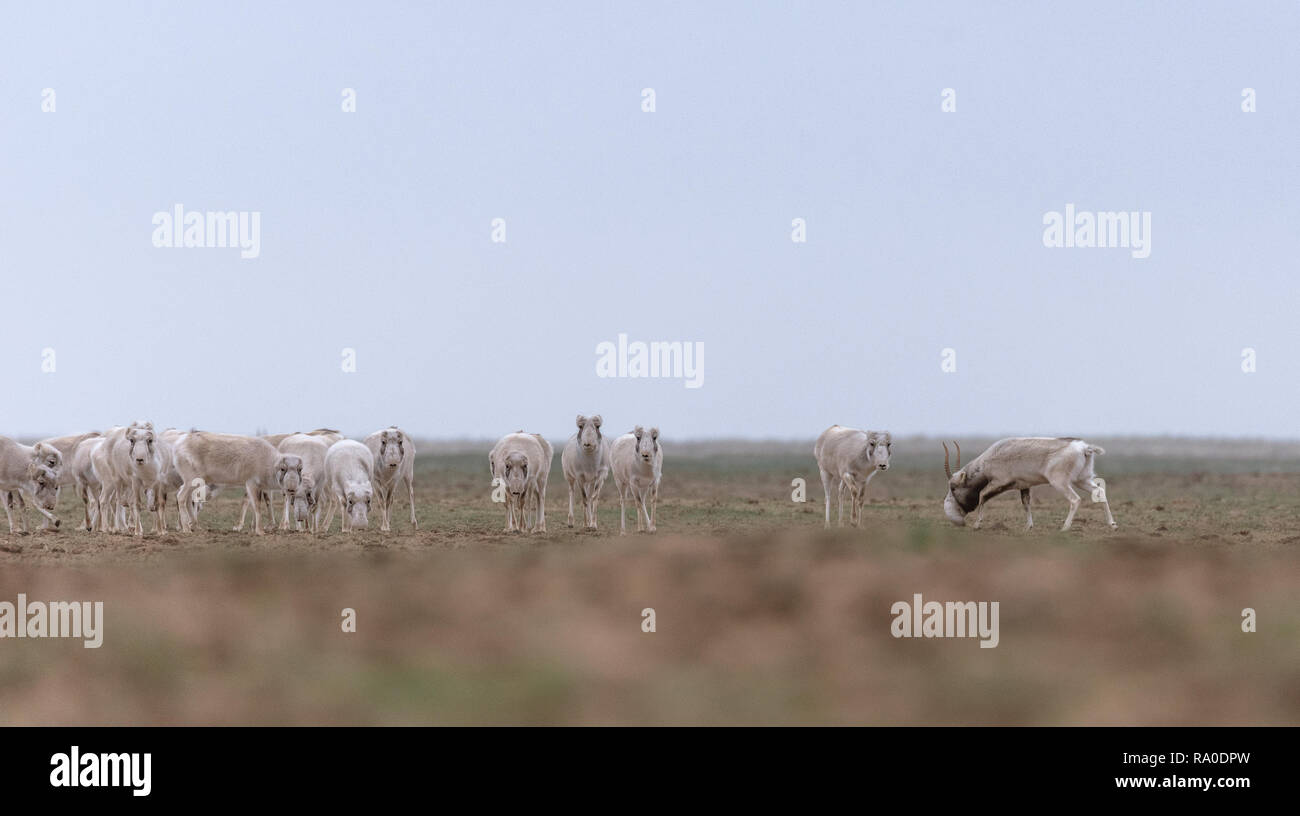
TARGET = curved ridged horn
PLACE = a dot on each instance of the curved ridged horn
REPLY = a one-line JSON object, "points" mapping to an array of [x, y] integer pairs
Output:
{"points": [[946, 468], [954, 442]]}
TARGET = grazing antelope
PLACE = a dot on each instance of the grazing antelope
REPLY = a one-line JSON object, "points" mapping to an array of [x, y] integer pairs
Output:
{"points": [[349, 476], [521, 462], [1019, 463]]}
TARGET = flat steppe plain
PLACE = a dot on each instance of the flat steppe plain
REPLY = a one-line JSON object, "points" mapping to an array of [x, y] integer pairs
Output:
{"points": [[761, 616]]}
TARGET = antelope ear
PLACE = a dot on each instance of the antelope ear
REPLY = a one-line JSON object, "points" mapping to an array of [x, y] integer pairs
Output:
{"points": [[638, 431], [596, 420], [581, 420], [654, 434], [959, 477]]}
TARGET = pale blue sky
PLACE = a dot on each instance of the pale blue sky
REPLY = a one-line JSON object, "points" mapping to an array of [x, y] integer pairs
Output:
{"points": [[924, 228]]}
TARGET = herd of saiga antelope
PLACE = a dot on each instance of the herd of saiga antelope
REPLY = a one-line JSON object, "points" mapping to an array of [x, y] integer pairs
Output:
{"points": [[131, 467]]}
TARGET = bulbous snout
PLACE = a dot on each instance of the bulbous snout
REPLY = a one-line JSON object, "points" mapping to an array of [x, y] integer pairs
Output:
{"points": [[953, 512]]}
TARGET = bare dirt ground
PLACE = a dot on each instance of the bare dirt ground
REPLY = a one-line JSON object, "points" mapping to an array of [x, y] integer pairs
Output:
{"points": [[761, 616]]}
